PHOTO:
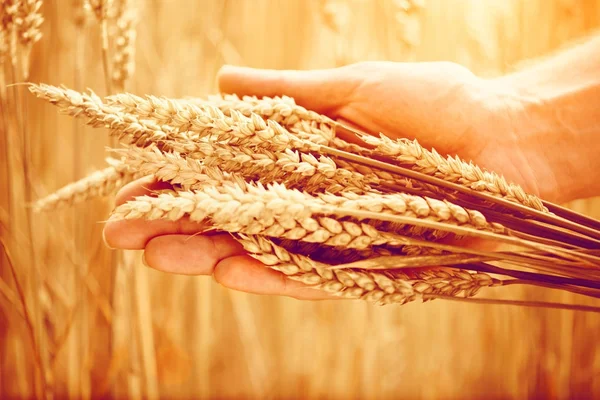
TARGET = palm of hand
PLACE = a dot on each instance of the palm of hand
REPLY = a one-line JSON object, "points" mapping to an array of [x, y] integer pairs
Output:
{"points": [[442, 105]]}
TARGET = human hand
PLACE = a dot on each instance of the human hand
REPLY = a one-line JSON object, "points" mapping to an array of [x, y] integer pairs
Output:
{"points": [[442, 104]]}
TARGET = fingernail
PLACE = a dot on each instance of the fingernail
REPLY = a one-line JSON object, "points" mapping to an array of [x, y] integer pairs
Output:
{"points": [[227, 68], [105, 241]]}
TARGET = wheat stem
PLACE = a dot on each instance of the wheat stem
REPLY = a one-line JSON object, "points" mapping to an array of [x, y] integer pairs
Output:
{"points": [[521, 303], [28, 318]]}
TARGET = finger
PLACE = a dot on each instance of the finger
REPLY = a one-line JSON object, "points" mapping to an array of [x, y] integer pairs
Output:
{"points": [[323, 91], [139, 187], [134, 234], [224, 257], [246, 274], [190, 255]]}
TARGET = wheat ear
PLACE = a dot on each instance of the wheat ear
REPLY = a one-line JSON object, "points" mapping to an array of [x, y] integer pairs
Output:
{"points": [[296, 170], [279, 212], [383, 288], [208, 122], [27, 20], [178, 114], [205, 121], [98, 184], [129, 129], [253, 217], [452, 169]]}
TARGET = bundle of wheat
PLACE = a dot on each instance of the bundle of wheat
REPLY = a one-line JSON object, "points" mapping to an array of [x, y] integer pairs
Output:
{"points": [[357, 221]]}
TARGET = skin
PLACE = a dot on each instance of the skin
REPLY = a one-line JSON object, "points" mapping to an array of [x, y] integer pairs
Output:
{"points": [[537, 127]]}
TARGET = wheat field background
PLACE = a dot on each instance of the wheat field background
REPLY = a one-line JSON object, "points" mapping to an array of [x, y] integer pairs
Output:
{"points": [[106, 326]]}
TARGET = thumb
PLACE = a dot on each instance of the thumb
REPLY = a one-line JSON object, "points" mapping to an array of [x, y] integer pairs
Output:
{"points": [[323, 91]]}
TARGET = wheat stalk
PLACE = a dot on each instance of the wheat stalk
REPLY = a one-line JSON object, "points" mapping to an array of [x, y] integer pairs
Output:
{"points": [[4, 38], [102, 10], [573, 231], [391, 286], [316, 131], [235, 128], [331, 255], [204, 123]]}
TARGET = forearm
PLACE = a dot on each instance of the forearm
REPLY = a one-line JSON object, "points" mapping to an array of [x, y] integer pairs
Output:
{"points": [[559, 118]]}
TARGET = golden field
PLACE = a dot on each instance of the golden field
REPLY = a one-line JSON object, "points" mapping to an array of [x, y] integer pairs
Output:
{"points": [[103, 325]]}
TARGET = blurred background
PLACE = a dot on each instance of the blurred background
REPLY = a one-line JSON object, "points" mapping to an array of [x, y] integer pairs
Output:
{"points": [[103, 325]]}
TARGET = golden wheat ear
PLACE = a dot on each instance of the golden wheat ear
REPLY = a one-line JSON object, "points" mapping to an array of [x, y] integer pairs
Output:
{"points": [[100, 183]]}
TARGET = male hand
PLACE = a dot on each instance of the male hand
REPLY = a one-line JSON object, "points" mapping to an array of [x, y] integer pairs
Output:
{"points": [[443, 105]]}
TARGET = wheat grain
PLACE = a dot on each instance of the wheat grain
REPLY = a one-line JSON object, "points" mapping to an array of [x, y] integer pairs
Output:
{"points": [[348, 214], [27, 25], [315, 131], [181, 117]]}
